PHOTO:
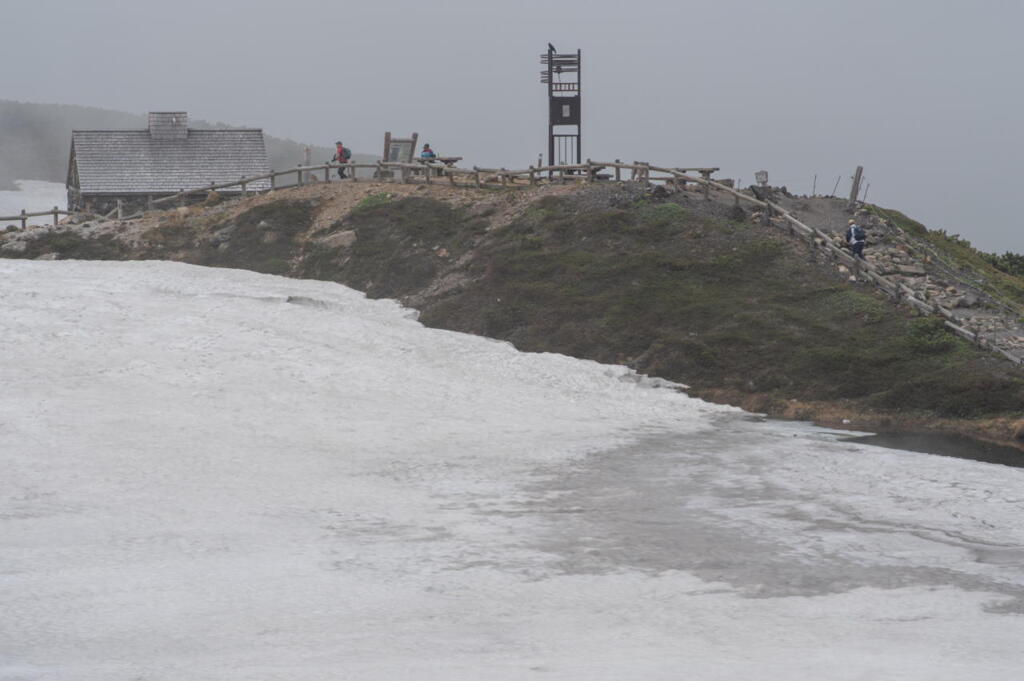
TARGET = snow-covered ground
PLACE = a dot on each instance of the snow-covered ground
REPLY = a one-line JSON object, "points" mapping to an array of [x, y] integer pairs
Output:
{"points": [[32, 196], [214, 474]]}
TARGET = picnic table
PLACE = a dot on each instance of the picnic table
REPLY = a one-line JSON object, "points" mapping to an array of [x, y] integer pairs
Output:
{"points": [[448, 161]]}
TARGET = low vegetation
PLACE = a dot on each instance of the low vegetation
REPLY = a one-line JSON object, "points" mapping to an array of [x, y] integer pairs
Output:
{"points": [[679, 288], [716, 304], [400, 246], [64, 244]]}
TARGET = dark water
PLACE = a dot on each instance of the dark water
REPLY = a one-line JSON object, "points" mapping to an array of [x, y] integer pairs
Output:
{"points": [[956, 446]]}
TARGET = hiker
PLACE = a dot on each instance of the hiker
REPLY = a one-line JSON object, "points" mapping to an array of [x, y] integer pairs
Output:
{"points": [[342, 155], [427, 152], [857, 238]]}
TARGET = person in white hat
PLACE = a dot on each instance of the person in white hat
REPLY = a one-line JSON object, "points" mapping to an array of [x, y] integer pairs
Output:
{"points": [[857, 238]]}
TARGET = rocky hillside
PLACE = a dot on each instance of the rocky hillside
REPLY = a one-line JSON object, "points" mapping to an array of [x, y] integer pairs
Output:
{"points": [[697, 291]]}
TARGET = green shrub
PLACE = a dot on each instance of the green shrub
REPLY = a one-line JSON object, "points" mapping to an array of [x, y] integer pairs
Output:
{"points": [[373, 201]]}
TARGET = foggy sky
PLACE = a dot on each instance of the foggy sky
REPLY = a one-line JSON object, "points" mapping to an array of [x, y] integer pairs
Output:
{"points": [[915, 91]]}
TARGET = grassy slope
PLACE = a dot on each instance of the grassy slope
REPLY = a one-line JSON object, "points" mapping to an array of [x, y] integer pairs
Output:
{"points": [[675, 293], [688, 292]]}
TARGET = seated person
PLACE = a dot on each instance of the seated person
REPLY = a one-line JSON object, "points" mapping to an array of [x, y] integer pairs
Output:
{"points": [[427, 152]]}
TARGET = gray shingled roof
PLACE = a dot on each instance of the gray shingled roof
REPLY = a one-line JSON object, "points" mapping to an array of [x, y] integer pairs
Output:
{"points": [[132, 161]]}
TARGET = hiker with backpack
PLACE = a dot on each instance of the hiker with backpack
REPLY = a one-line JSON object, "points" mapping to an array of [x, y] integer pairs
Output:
{"points": [[342, 155], [857, 238]]}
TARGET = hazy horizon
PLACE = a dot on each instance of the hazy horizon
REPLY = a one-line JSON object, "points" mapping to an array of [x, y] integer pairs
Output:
{"points": [[915, 92]]}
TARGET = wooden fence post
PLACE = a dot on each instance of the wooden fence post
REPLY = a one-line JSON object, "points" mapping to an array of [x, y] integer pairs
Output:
{"points": [[120, 210], [55, 216], [533, 176], [678, 181], [298, 175], [618, 171], [273, 180], [476, 175], [590, 172], [149, 202], [855, 189]]}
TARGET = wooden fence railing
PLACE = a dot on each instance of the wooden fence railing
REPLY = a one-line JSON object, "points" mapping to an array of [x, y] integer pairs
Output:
{"points": [[898, 291], [424, 171], [591, 171], [23, 216]]}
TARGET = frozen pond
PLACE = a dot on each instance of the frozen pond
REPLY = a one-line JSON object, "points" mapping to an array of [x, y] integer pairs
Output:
{"points": [[211, 473], [32, 196]]}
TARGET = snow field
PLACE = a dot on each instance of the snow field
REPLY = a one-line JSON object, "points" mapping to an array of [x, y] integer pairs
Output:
{"points": [[214, 474]]}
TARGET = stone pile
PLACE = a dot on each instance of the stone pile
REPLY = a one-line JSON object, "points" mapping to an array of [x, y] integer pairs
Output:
{"points": [[902, 260]]}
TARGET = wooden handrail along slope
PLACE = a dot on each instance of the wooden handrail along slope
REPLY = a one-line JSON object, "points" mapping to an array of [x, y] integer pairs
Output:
{"points": [[390, 171]]}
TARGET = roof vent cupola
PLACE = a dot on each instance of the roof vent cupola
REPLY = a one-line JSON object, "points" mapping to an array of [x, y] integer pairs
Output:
{"points": [[168, 125]]}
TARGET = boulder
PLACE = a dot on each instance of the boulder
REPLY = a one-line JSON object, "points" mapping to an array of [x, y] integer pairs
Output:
{"points": [[967, 300], [222, 236], [342, 239]]}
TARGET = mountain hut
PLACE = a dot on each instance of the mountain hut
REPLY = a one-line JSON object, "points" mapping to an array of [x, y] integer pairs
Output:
{"points": [[136, 166]]}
